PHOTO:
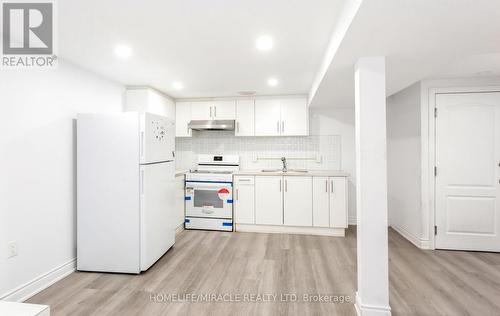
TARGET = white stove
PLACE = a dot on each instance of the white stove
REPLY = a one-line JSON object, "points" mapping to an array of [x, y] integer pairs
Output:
{"points": [[209, 193]]}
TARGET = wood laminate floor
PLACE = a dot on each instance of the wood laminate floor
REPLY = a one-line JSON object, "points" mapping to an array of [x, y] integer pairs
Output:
{"points": [[245, 264]]}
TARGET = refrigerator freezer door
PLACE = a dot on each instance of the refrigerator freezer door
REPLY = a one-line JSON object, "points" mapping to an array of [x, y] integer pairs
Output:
{"points": [[157, 138], [157, 192]]}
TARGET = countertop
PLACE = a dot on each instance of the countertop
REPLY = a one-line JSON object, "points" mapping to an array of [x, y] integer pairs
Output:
{"points": [[310, 173]]}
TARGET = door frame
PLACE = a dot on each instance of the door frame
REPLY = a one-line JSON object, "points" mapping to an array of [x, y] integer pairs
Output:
{"points": [[428, 151]]}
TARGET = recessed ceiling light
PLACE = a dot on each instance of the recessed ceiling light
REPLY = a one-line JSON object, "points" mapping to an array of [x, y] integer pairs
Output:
{"points": [[264, 42], [177, 85], [123, 51], [272, 82]]}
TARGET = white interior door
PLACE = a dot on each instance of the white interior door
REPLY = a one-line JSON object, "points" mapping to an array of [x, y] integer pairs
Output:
{"points": [[468, 171]]}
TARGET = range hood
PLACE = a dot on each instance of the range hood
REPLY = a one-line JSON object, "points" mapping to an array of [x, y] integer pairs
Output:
{"points": [[211, 125]]}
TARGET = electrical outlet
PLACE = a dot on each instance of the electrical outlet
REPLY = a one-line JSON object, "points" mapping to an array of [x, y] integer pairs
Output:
{"points": [[12, 249]]}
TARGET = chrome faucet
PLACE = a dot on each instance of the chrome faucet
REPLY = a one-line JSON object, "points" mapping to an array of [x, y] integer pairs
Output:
{"points": [[283, 160]]}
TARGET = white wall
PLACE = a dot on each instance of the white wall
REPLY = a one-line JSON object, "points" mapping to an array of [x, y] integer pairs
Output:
{"points": [[37, 183], [404, 162], [339, 121]]}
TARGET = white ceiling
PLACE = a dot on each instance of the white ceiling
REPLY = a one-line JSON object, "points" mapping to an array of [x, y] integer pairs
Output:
{"points": [[420, 39], [207, 45]]}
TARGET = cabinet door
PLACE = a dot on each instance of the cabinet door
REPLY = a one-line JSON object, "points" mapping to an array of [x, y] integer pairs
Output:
{"points": [[297, 201], [182, 118], [321, 201], [338, 202], [267, 117], [294, 117], [245, 118], [202, 110], [224, 110], [244, 200], [269, 200]]}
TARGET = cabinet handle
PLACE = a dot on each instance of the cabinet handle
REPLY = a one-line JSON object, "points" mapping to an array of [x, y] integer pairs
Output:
{"points": [[278, 126], [280, 185], [326, 185], [282, 126], [331, 186], [286, 185], [215, 111]]}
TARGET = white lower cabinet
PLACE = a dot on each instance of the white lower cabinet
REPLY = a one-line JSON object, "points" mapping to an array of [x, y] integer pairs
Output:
{"points": [[291, 204], [330, 202], [244, 199], [321, 202], [338, 202], [269, 200], [297, 201]]}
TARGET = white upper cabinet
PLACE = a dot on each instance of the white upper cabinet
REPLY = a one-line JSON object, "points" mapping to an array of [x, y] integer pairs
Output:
{"points": [[261, 117], [224, 110], [281, 117], [294, 117], [202, 110], [213, 110], [182, 118], [268, 117], [245, 118], [298, 203]]}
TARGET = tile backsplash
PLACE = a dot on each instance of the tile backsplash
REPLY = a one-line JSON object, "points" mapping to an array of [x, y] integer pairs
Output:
{"points": [[303, 152]]}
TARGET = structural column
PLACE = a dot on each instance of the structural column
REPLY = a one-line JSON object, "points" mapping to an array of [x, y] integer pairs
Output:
{"points": [[372, 297]]}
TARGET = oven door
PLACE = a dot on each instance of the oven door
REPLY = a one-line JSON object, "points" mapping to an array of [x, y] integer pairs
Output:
{"points": [[209, 199]]}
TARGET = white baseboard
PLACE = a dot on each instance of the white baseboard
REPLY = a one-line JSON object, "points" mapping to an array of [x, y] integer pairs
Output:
{"points": [[370, 310], [40, 283], [418, 242], [276, 229]]}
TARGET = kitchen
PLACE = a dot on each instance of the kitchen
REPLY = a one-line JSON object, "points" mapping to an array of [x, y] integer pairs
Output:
{"points": [[250, 158]]}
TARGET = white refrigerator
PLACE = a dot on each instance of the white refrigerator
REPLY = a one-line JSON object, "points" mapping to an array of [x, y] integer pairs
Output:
{"points": [[125, 191]]}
